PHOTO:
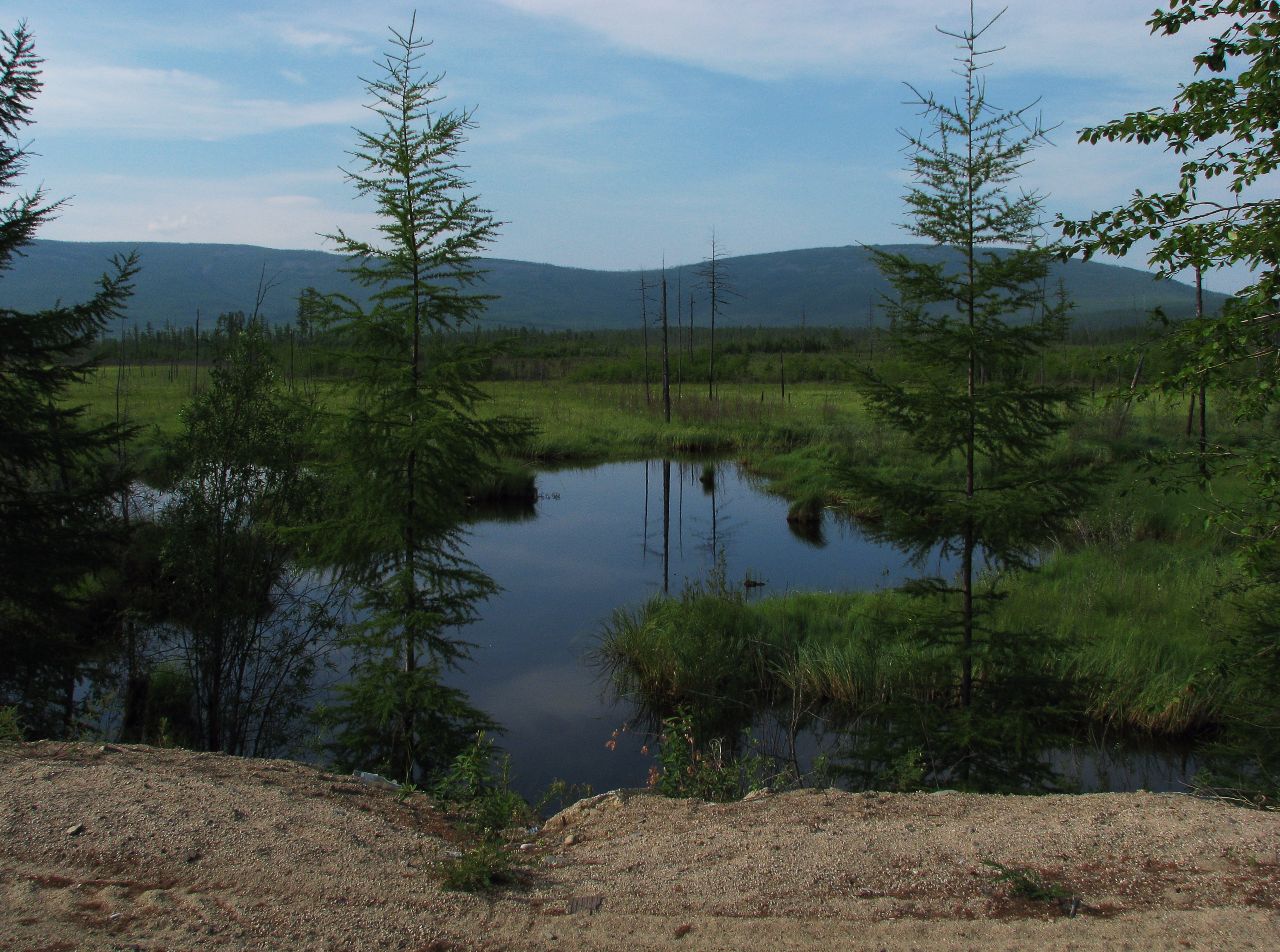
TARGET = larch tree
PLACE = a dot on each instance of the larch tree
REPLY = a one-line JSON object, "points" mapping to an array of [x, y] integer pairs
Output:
{"points": [[413, 441], [1222, 211], [58, 474], [990, 490], [715, 281]]}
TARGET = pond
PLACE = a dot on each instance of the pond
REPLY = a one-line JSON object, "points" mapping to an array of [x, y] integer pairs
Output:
{"points": [[595, 542]]}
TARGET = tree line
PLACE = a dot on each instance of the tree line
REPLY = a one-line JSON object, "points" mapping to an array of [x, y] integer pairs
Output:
{"points": [[257, 564]]}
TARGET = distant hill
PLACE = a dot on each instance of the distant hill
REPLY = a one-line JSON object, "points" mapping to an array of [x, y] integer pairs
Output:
{"points": [[828, 286]]}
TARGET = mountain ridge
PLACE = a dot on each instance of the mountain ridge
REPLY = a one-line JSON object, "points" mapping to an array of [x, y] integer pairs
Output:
{"points": [[832, 286]]}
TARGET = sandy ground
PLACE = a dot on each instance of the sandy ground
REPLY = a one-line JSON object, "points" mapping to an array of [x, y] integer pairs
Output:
{"points": [[124, 847]]}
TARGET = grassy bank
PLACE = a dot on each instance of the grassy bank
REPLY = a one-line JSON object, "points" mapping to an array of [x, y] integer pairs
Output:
{"points": [[574, 422], [1128, 597], [1129, 590]]}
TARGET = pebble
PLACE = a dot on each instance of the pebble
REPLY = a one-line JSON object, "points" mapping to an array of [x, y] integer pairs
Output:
{"points": [[75, 829]]}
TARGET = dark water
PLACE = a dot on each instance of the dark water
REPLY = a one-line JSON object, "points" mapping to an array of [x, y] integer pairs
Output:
{"points": [[594, 543], [597, 544]]}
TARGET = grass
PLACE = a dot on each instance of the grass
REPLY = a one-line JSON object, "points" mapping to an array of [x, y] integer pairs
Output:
{"points": [[575, 422], [1129, 594], [1129, 587]]}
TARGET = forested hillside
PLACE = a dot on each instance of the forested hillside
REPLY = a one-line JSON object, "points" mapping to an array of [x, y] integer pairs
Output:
{"points": [[822, 286]]}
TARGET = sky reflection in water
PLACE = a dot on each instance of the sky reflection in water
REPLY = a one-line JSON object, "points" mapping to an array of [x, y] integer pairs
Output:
{"points": [[595, 545]]}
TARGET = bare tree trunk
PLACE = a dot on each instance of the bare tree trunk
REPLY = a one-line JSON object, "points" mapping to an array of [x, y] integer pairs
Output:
{"points": [[644, 325], [666, 359], [666, 526], [1204, 386], [195, 379]]}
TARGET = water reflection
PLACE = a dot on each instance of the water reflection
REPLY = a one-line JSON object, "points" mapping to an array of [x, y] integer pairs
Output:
{"points": [[613, 536]]}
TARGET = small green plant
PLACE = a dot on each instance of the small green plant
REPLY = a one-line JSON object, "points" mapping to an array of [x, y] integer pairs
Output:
{"points": [[406, 791], [690, 768], [10, 727], [561, 793], [908, 769], [485, 866], [164, 733], [479, 783], [1029, 884]]}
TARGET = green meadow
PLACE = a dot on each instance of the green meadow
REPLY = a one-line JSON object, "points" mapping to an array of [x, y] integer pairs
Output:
{"points": [[1130, 592]]}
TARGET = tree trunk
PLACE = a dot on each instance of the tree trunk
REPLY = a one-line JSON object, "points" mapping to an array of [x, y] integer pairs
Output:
{"points": [[666, 358]]}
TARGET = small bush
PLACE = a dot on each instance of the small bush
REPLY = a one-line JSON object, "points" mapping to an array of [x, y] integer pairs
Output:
{"points": [[479, 784], [1029, 884], [10, 727], [692, 768], [485, 866]]}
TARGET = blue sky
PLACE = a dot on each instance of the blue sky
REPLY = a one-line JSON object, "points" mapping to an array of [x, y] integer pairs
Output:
{"points": [[609, 133]]}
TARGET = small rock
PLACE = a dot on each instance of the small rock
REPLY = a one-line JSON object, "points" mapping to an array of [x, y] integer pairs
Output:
{"points": [[571, 839], [683, 930], [75, 829], [375, 780], [525, 847]]}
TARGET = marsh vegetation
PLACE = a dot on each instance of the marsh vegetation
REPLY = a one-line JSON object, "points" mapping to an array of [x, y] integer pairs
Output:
{"points": [[1075, 531]]}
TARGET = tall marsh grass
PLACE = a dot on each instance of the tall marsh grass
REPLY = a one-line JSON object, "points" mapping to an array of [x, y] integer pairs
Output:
{"points": [[1131, 640]]}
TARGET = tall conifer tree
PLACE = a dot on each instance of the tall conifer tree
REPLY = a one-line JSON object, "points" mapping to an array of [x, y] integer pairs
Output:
{"points": [[966, 327], [413, 442], [57, 476]]}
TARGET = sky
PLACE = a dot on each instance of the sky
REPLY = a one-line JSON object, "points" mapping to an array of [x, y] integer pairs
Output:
{"points": [[611, 134]]}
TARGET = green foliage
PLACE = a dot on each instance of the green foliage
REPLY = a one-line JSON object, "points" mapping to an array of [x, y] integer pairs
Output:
{"points": [[479, 781], [690, 766], [57, 473], [480, 868], [670, 650], [411, 442], [402, 724], [169, 715], [1029, 884], [988, 484], [234, 606], [10, 727], [1224, 124]]}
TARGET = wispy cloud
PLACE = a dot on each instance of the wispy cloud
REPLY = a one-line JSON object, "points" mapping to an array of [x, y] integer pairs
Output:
{"points": [[128, 101], [551, 116], [312, 39], [270, 210], [764, 39]]}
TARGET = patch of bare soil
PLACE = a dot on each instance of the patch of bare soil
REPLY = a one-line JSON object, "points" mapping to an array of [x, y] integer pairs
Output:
{"points": [[123, 847]]}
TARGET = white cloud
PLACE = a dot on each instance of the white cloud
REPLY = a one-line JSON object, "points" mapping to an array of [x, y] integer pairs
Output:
{"points": [[166, 225], [327, 40], [551, 115], [285, 210], [764, 39], [169, 103]]}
